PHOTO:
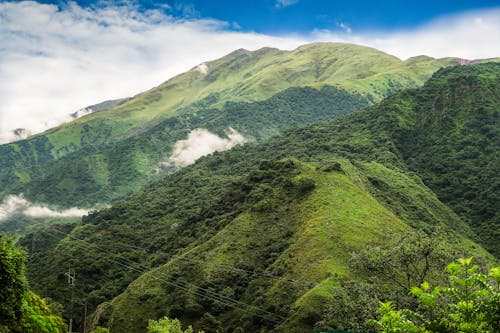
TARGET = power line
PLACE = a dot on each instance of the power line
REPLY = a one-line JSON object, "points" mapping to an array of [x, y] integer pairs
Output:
{"points": [[208, 293], [300, 282]]}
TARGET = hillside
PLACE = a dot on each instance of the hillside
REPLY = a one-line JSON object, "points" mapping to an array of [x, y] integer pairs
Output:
{"points": [[85, 149], [105, 173], [263, 236]]}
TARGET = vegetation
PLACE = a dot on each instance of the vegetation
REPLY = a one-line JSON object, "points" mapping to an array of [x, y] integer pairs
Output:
{"points": [[20, 309], [13, 283], [107, 172], [469, 304], [263, 236], [165, 325], [386, 272], [112, 154]]}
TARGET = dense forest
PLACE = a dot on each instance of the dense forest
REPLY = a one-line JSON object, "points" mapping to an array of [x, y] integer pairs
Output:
{"points": [[113, 153], [103, 173], [310, 229]]}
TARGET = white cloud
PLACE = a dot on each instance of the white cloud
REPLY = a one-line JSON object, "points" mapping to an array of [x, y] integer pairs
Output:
{"points": [[54, 61], [200, 142], [285, 3], [472, 35], [17, 205], [202, 68]]}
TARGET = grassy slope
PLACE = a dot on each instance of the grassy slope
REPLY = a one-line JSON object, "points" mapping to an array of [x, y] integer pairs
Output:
{"points": [[239, 76], [193, 206], [309, 240], [118, 169]]}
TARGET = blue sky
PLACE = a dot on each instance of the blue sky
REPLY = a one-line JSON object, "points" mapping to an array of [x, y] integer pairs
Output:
{"points": [[302, 16], [72, 54]]}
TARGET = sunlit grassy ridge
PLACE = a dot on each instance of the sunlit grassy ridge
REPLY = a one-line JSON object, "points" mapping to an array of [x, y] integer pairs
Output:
{"points": [[296, 207], [107, 172], [242, 76]]}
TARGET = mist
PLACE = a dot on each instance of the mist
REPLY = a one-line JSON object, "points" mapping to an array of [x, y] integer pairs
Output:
{"points": [[201, 142], [18, 205]]}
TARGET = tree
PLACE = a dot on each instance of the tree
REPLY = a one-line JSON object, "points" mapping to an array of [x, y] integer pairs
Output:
{"points": [[20, 309], [12, 284], [470, 304], [409, 260], [166, 325]]}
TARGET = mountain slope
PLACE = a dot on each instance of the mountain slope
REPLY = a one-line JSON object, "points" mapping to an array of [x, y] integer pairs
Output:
{"points": [[351, 183], [242, 76], [293, 250], [107, 172]]}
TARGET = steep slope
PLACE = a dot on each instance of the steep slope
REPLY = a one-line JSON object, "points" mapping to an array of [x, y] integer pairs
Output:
{"points": [[279, 259], [452, 141], [107, 172], [241, 76], [349, 185]]}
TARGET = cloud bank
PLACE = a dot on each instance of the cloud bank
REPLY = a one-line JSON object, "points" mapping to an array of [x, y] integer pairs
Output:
{"points": [[56, 60], [473, 35], [17, 205], [200, 142]]}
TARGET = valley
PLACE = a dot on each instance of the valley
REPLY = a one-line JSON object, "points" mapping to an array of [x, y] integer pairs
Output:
{"points": [[283, 191]]}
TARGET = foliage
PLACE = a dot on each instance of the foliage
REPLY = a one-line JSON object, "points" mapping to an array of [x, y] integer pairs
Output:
{"points": [[166, 325], [12, 283], [386, 271], [100, 329], [470, 304], [115, 152], [38, 318], [255, 210], [405, 261], [20, 309], [110, 171]]}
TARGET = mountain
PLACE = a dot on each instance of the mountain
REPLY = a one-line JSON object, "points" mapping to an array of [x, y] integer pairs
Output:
{"points": [[74, 164], [269, 236], [106, 172], [106, 105]]}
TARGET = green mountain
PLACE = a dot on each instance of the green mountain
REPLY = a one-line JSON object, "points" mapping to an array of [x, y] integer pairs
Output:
{"points": [[106, 172], [110, 154], [269, 236]]}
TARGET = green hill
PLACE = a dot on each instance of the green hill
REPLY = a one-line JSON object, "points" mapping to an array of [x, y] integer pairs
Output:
{"points": [[269, 236], [75, 163], [107, 172]]}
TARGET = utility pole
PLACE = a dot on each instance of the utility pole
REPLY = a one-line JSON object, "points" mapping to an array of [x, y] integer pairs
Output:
{"points": [[71, 283]]}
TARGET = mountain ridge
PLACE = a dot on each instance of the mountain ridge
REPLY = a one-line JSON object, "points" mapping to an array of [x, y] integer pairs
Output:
{"points": [[241, 76], [270, 208]]}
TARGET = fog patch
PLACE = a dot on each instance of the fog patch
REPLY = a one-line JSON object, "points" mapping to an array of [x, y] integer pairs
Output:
{"points": [[202, 68], [201, 142], [17, 205]]}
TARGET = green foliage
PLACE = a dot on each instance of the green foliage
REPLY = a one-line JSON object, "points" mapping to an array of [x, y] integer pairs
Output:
{"points": [[20, 309], [245, 209], [38, 318], [395, 321], [383, 272], [12, 284], [470, 304], [166, 325], [405, 261], [111, 171], [114, 153]]}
